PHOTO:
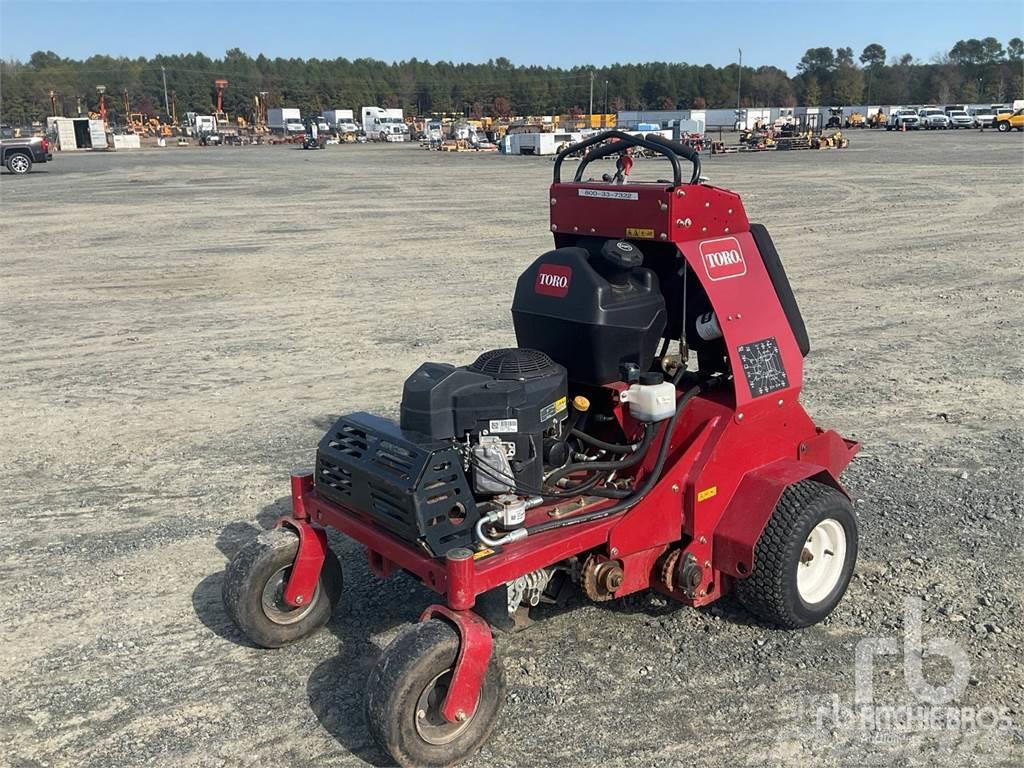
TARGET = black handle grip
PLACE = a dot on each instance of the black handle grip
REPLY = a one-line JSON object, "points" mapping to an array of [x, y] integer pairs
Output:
{"points": [[684, 151], [617, 146], [624, 140]]}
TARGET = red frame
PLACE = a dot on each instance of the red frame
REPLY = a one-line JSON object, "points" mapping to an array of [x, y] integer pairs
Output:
{"points": [[731, 456]]}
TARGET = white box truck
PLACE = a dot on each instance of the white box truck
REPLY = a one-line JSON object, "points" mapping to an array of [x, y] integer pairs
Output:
{"points": [[341, 120], [204, 124], [381, 124], [285, 120]]}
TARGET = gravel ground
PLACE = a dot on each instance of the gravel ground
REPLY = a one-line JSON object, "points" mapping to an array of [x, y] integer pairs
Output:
{"points": [[179, 327]]}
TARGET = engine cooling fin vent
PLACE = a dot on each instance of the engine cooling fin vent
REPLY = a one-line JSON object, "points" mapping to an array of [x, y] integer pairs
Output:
{"points": [[514, 363]]}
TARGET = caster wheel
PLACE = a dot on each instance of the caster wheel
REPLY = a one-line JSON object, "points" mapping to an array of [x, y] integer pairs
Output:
{"points": [[804, 559], [405, 691], [254, 585]]}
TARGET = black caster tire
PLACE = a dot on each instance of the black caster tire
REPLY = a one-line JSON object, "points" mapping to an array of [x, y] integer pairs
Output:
{"points": [[404, 694], [253, 591], [804, 560]]}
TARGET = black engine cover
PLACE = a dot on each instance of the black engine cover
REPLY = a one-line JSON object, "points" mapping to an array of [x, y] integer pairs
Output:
{"points": [[517, 394]]}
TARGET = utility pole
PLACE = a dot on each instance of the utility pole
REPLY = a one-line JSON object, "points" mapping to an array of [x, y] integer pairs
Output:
{"points": [[739, 81], [163, 73], [604, 117], [590, 114]]}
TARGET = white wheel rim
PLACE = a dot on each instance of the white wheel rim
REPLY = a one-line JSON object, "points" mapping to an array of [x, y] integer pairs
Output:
{"points": [[821, 561], [19, 163]]}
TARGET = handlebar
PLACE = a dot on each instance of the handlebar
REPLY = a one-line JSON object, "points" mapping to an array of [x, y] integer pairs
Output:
{"points": [[672, 150], [683, 150]]}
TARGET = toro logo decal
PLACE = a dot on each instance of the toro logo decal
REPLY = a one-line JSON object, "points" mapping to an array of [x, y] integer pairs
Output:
{"points": [[553, 280], [723, 258]]}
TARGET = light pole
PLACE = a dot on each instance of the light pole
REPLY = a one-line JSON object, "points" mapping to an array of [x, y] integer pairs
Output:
{"points": [[739, 82], [590, 114], [605, 117], [163, 74]]}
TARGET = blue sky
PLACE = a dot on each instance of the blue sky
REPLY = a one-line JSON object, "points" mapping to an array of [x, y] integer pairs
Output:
{"points": [[552, 32]]}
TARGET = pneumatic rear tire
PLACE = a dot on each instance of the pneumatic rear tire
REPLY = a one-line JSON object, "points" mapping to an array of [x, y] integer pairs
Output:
{"points": [[804, 559]]}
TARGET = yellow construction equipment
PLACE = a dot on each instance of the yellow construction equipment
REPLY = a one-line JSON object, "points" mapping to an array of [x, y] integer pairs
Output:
{"points": [[878, 120]]}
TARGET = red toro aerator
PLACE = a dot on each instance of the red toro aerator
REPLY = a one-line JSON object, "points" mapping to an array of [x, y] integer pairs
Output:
{"points": [[645, 434]]}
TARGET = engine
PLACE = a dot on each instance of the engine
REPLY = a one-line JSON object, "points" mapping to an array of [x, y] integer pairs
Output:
{"points": [[478, 445], [502, 407]]}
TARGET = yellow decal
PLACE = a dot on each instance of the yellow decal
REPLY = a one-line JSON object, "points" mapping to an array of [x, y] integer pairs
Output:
{"points": [[482, 554], [707, 493], [637, 232], [560, 405]]}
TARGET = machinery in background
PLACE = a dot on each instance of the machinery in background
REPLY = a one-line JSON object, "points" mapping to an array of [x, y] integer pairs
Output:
{"points": [[315, 137], [856, 120]]}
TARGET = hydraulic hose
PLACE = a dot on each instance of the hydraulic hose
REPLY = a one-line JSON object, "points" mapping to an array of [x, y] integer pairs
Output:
{"points": [[642, 491], [596, 443], [594, 466]]}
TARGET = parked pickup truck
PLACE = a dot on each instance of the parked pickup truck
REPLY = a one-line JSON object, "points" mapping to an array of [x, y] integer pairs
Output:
{"points": [[983, 117], [20, 154], [958, 118], [933, 118], [903, 118]]}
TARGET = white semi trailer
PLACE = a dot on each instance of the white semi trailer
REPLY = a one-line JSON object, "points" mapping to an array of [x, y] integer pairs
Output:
{"points": [[382, 124]]}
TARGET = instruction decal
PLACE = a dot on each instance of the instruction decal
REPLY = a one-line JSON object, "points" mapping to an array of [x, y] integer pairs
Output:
{"points": [[762, 366]]}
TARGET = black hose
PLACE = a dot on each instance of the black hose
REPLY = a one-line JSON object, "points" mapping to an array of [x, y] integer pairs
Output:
{"points": [[642, 491], [593, 466], [596, 443], [612, 493]]}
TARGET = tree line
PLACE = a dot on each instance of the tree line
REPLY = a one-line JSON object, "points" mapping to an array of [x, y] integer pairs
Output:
{"points": [[972, 71]]}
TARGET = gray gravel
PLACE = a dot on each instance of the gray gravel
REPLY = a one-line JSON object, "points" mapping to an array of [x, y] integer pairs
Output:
{"points": [[179, 327]]}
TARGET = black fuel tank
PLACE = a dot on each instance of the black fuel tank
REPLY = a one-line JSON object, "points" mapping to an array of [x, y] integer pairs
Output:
{"points": [[590, 313]]}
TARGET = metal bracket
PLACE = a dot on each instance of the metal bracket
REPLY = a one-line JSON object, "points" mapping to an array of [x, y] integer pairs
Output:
{"points": [[475, 648], [309, 560]]}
